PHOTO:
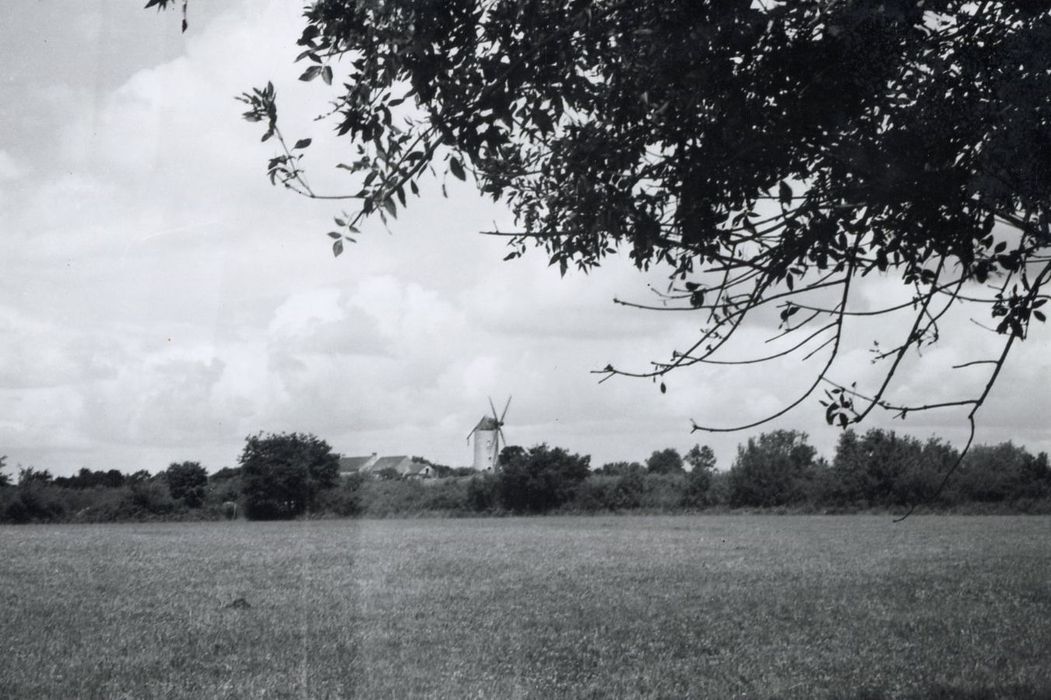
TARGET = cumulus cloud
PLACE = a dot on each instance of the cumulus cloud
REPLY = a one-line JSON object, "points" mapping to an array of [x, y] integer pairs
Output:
{"points": [[161, 301]]}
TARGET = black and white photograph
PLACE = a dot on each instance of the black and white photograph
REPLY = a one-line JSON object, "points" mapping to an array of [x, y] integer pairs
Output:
{"points": [[525, 349]]}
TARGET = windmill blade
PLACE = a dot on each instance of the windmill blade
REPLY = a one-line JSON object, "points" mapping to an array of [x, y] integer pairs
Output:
{"points": [[494, 409], [506, 406]]}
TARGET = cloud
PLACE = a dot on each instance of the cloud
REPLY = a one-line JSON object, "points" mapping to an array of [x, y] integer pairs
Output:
{"points": [[9, 169], [161, 300]]}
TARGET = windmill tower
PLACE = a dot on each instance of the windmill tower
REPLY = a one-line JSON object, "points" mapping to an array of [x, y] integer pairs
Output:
{"points": [[488, 436]]}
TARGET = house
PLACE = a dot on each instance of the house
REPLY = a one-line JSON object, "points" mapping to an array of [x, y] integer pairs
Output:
{"points": [[401, 464], [420, 470], [356, 465], [373, 465]]}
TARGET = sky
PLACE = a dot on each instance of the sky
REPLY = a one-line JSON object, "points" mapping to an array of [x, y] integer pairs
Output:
{"points": [[160, 301]]}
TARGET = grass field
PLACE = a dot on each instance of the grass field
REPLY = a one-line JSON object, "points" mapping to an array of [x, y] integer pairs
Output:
{"points": [[722, 606]]}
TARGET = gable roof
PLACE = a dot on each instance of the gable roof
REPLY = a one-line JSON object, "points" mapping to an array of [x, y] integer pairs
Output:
{"points": [[355, 464], [418, 468], [391, 463]]}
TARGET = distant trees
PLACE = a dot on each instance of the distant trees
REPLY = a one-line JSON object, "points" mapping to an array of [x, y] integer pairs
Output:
{"points": [[667, 461], [286, 475], [282, 474], [881, 468], [620, 468], [699, 478], [771, 470], [1004, 472], [540, 479], [187, 482]]}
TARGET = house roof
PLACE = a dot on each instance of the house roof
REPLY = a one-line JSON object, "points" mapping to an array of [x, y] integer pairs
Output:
{"points": [[388, 463], [354, 464], [417, 467]]}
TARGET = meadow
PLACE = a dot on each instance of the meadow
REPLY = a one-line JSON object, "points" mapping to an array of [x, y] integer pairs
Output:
{"points": [[603, 607]]}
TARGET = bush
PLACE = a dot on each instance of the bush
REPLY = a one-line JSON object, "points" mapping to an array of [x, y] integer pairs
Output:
{"points": [[772, 470], [696, 493], [594, 494], [665, 462], [540, 479], [481, 493], [187, 482], [282, 475], [345, 499]]}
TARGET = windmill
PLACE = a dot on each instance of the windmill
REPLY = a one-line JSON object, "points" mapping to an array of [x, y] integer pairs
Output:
{"points": [[488, 435]]}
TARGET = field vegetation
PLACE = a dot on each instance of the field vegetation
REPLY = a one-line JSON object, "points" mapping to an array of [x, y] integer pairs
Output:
{"points": [[295, 475], [600, 607]]}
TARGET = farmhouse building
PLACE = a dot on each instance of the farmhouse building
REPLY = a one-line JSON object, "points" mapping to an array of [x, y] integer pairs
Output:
{"points": [[373, 465]]}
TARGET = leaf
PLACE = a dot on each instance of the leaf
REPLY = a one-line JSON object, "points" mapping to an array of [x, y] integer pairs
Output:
{"points": [[334, 234], [784, 194], [457, 169], [310, 73], [326, 75], [664, 389], [391, 207], [302, 143], [337, 248], [1040, 316]]}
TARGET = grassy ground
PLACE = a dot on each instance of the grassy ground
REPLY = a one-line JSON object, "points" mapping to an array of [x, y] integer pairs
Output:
{"points": [[748, 606]]}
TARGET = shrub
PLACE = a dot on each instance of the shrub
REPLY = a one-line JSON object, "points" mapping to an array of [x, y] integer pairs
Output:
{"points": [[481, 493], [187, 482], [699, 478], [664, 462], [281, 475], [345, 499], [540, 479], [772, 470]]}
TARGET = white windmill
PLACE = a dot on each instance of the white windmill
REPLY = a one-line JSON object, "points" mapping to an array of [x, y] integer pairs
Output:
{"points": [[488, 435]]}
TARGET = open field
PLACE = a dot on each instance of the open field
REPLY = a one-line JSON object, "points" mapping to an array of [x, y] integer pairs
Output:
{"points": [[754, 606]]}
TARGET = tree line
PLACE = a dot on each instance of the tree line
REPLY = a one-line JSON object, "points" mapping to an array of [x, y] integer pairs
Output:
{"points": [[282, 476]]}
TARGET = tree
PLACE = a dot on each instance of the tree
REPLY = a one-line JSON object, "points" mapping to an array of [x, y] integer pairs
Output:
{"points": [[510, 453], [620, 468], [772, 470], [540, 479], [699, 478], [187, 482], [28, 476], [769, 153], [5, 480], [882, 468], [281, 474], [1003, 472], [666, 461]]}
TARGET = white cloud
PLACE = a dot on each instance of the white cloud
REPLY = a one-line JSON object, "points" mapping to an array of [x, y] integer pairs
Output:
{"points": [[161, 300]]}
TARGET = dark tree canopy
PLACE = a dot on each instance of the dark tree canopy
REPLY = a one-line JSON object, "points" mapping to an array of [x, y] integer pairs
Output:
{"points": [[540, 478], [281, 475], [187, 482], [666, 461], [772, 470], [768, 153]]}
